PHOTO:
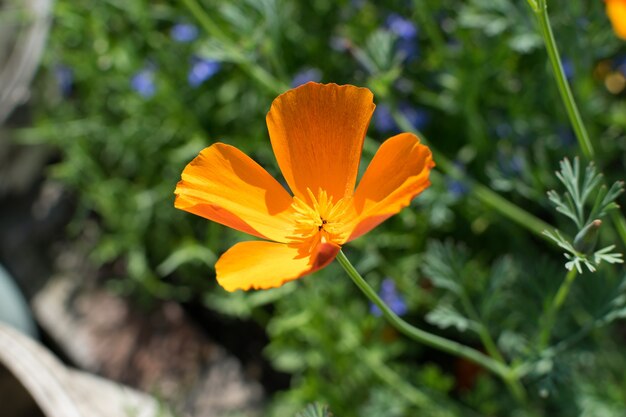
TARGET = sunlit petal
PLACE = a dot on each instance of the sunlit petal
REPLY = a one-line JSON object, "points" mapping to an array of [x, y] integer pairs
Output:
{"points": [[317, 133], [262, 265], [616, 10], [225, 185], [398, 172]]}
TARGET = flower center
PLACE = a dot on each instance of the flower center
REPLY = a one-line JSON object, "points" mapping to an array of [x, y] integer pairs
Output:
{"points": [[323, 219]]}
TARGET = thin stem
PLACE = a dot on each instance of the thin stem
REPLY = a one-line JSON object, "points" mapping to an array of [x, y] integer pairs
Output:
{"points": [[387, 375], [554, 307], [479, 191], [483, 332], [264, 78], [411, 393], [540, 9], [432, 340], [541, 12], [620, 224]]}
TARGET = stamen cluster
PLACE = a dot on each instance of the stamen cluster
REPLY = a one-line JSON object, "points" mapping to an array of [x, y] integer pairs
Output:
{"points": [[321, 219]]}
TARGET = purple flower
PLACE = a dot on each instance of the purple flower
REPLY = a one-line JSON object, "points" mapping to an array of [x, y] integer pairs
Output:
{"points": [[407, 35], [184, 32], [404, 28], [306, 75], [201, 70], [568, 68], [391, 297], [510, 164], [418, 118], [457, 187], [408, 48], [384, 122], [65, 79], [143, 82]]}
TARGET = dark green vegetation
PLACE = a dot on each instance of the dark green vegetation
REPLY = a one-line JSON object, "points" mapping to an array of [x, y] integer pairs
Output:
{"points": [[473, 77]]}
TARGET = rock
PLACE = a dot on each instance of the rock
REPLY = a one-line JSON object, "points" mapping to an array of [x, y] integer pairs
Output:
{"points": [[34, 383], [158, 351]]}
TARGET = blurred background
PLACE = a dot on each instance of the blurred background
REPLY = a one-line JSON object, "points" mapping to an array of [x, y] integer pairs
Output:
{"points": [[103, 103]]}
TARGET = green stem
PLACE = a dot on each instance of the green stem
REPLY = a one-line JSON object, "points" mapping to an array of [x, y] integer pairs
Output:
{"points": [[432, 340], [412, 394], [264, 78], [387, 375], [540, 10], [554, 307], [483, 332], [479, 191], [620, 224]]}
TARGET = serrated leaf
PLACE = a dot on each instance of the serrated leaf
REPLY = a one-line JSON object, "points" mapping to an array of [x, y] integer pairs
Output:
{"points": [[315, 410], [445, 316], [525, 42], [443, 263]]}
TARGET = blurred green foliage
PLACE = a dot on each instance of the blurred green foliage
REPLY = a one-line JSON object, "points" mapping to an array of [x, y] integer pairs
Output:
{"points": [[118, 103]]}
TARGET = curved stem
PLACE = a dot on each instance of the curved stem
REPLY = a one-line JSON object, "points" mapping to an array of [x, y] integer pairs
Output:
{"points": [[432, 340], [479, 191], [541, 12], [483, 331], [555, 306]]}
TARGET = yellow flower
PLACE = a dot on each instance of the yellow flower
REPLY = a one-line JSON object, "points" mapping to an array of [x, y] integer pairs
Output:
{"points": [[317, 133], [616, 10]]}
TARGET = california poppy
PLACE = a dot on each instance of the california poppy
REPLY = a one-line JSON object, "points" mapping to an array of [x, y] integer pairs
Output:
{"points": [[616, 10], [317, 133]]}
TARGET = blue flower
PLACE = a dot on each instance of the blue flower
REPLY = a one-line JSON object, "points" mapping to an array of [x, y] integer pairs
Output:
{"points": [[407, 35], [143, 82], [184, 32], [408, 48], [404, 28], [384, 122], [201, 70], [568, 68], [457, 187], [391, 297], [65, 79], [306, 75], [511, 164], [418, 118]]}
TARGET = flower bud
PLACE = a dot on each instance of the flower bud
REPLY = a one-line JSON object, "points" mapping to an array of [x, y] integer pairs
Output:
{"points": [[585, 241]]}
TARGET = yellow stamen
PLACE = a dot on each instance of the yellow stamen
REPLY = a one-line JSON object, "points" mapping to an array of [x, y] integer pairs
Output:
{"points": [[322, 219]]}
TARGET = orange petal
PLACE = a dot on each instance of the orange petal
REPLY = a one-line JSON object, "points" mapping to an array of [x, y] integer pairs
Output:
{"points": [[262, 265], [616, 10], [398, 172], [317, 133], [224, 185]]}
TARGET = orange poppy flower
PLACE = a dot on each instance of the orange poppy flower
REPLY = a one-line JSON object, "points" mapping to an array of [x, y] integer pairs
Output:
{"points": [[317, 133], [616, 10]]}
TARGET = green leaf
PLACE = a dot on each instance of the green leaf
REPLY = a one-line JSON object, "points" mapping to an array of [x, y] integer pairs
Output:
{"points": [[315, 410], [443, 264], [445, 315]]}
